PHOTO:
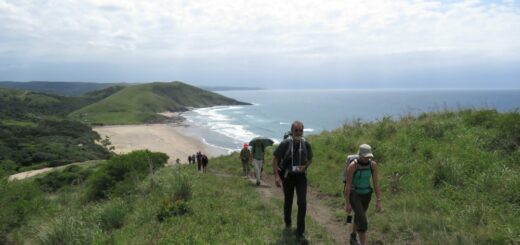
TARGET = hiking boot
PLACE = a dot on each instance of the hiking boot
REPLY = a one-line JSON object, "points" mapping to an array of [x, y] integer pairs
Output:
{"points": [[258, 183], [300, 238], [354, 241]]}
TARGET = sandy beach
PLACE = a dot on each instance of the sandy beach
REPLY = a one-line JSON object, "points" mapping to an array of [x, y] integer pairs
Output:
{"points": [[156, 137]]}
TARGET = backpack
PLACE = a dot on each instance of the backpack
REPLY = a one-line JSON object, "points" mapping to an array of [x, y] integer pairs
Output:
{"points": [[286, 165], [350, 159]]}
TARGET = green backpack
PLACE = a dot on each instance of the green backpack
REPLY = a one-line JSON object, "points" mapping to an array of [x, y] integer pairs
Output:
{"points": [[361, 177]]}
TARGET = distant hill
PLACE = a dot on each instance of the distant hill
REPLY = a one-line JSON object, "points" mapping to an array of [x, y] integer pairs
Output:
{"points": [[57, 88], [19, 104], [140, 103], [228, 88]]}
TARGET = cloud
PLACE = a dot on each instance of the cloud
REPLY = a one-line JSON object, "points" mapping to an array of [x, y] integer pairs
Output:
{"points": [[271, 34]]}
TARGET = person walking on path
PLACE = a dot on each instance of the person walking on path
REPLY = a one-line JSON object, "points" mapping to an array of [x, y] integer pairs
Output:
{"points": [[245, 156], [204, 160], [258, 152], [293, 156], [199, 161], [358, 191]]}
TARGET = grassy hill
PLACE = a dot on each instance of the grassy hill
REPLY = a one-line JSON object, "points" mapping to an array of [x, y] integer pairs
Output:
{"points": [[18, 104], [35, 134], [141, 103], [446, 178], [57, 88]]}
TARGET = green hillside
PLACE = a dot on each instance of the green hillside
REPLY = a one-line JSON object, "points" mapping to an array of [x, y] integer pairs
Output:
{"points": [[23, 104], [35, 134], [57, 88], [141, 103], [446, 178]]}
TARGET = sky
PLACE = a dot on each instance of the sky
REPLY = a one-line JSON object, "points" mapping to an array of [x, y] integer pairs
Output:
{"points": [[264, 43]]}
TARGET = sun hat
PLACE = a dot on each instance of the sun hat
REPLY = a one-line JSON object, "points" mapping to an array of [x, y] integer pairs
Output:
{"points": [[245, 145], [365, 151]]}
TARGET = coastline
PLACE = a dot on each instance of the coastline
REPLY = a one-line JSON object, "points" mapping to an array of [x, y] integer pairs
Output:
{"points": [[167, 138]]}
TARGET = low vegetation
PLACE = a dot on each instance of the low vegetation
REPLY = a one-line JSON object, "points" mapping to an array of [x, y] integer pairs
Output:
{"points": [[47, 143], [447, 177], [118, 176]]}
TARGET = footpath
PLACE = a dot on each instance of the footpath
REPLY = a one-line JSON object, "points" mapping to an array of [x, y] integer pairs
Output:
{"points": [[317, 209]]}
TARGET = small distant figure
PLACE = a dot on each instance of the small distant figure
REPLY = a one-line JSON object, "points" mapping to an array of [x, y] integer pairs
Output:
{"points": [[204, 160], [193, 159], [245, 157], [189, 159], [178, 161], [199, 161]]}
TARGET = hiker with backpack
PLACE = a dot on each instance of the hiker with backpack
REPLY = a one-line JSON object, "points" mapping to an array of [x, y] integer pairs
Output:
{"points": [[258, 152], [290, 163], [359, 170], [245, 156]]}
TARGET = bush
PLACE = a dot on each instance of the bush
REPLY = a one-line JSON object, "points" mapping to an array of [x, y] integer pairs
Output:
{"points": [[177, 203], [182, 188], [56, 180], [19, 201], [117, 176], [509, 131], [170, 208], [112, 215], [69, 230], [480, 118]]}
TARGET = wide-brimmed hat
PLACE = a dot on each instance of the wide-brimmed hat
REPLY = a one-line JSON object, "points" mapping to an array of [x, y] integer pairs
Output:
{"points": [[365, 151]]}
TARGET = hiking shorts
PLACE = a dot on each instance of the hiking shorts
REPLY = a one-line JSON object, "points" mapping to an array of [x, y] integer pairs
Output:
{"points": [[359, 203]]}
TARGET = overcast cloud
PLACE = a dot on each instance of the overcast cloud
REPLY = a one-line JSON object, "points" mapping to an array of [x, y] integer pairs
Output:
{"points": [[275, 44]]}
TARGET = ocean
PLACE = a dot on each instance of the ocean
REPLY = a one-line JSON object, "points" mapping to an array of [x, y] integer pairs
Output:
{"points": [[272, 112]]}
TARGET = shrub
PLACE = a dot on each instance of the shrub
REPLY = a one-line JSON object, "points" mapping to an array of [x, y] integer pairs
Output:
{"points": [[385, 128], [446, 172], [177, 203], [19, 201], [112, 215], [56, 180], [509, 131], [432, 129], [170, 208], [482, 118], [68, 230], [182, 188], [117, 175]]}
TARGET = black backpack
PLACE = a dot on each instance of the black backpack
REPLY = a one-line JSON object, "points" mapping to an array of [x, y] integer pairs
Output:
{"points": [[286, 164]]}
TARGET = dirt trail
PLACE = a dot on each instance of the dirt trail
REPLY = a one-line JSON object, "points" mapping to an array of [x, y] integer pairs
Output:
{"points": [[317, 209], [31, 173]]}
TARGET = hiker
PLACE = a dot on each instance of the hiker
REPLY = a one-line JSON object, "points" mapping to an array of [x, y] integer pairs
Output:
{"points": [[358, 191], [199, 161], [189, 159], [204, 160], [245, 156], [258, 152], [193, 159], [293, 156]]}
